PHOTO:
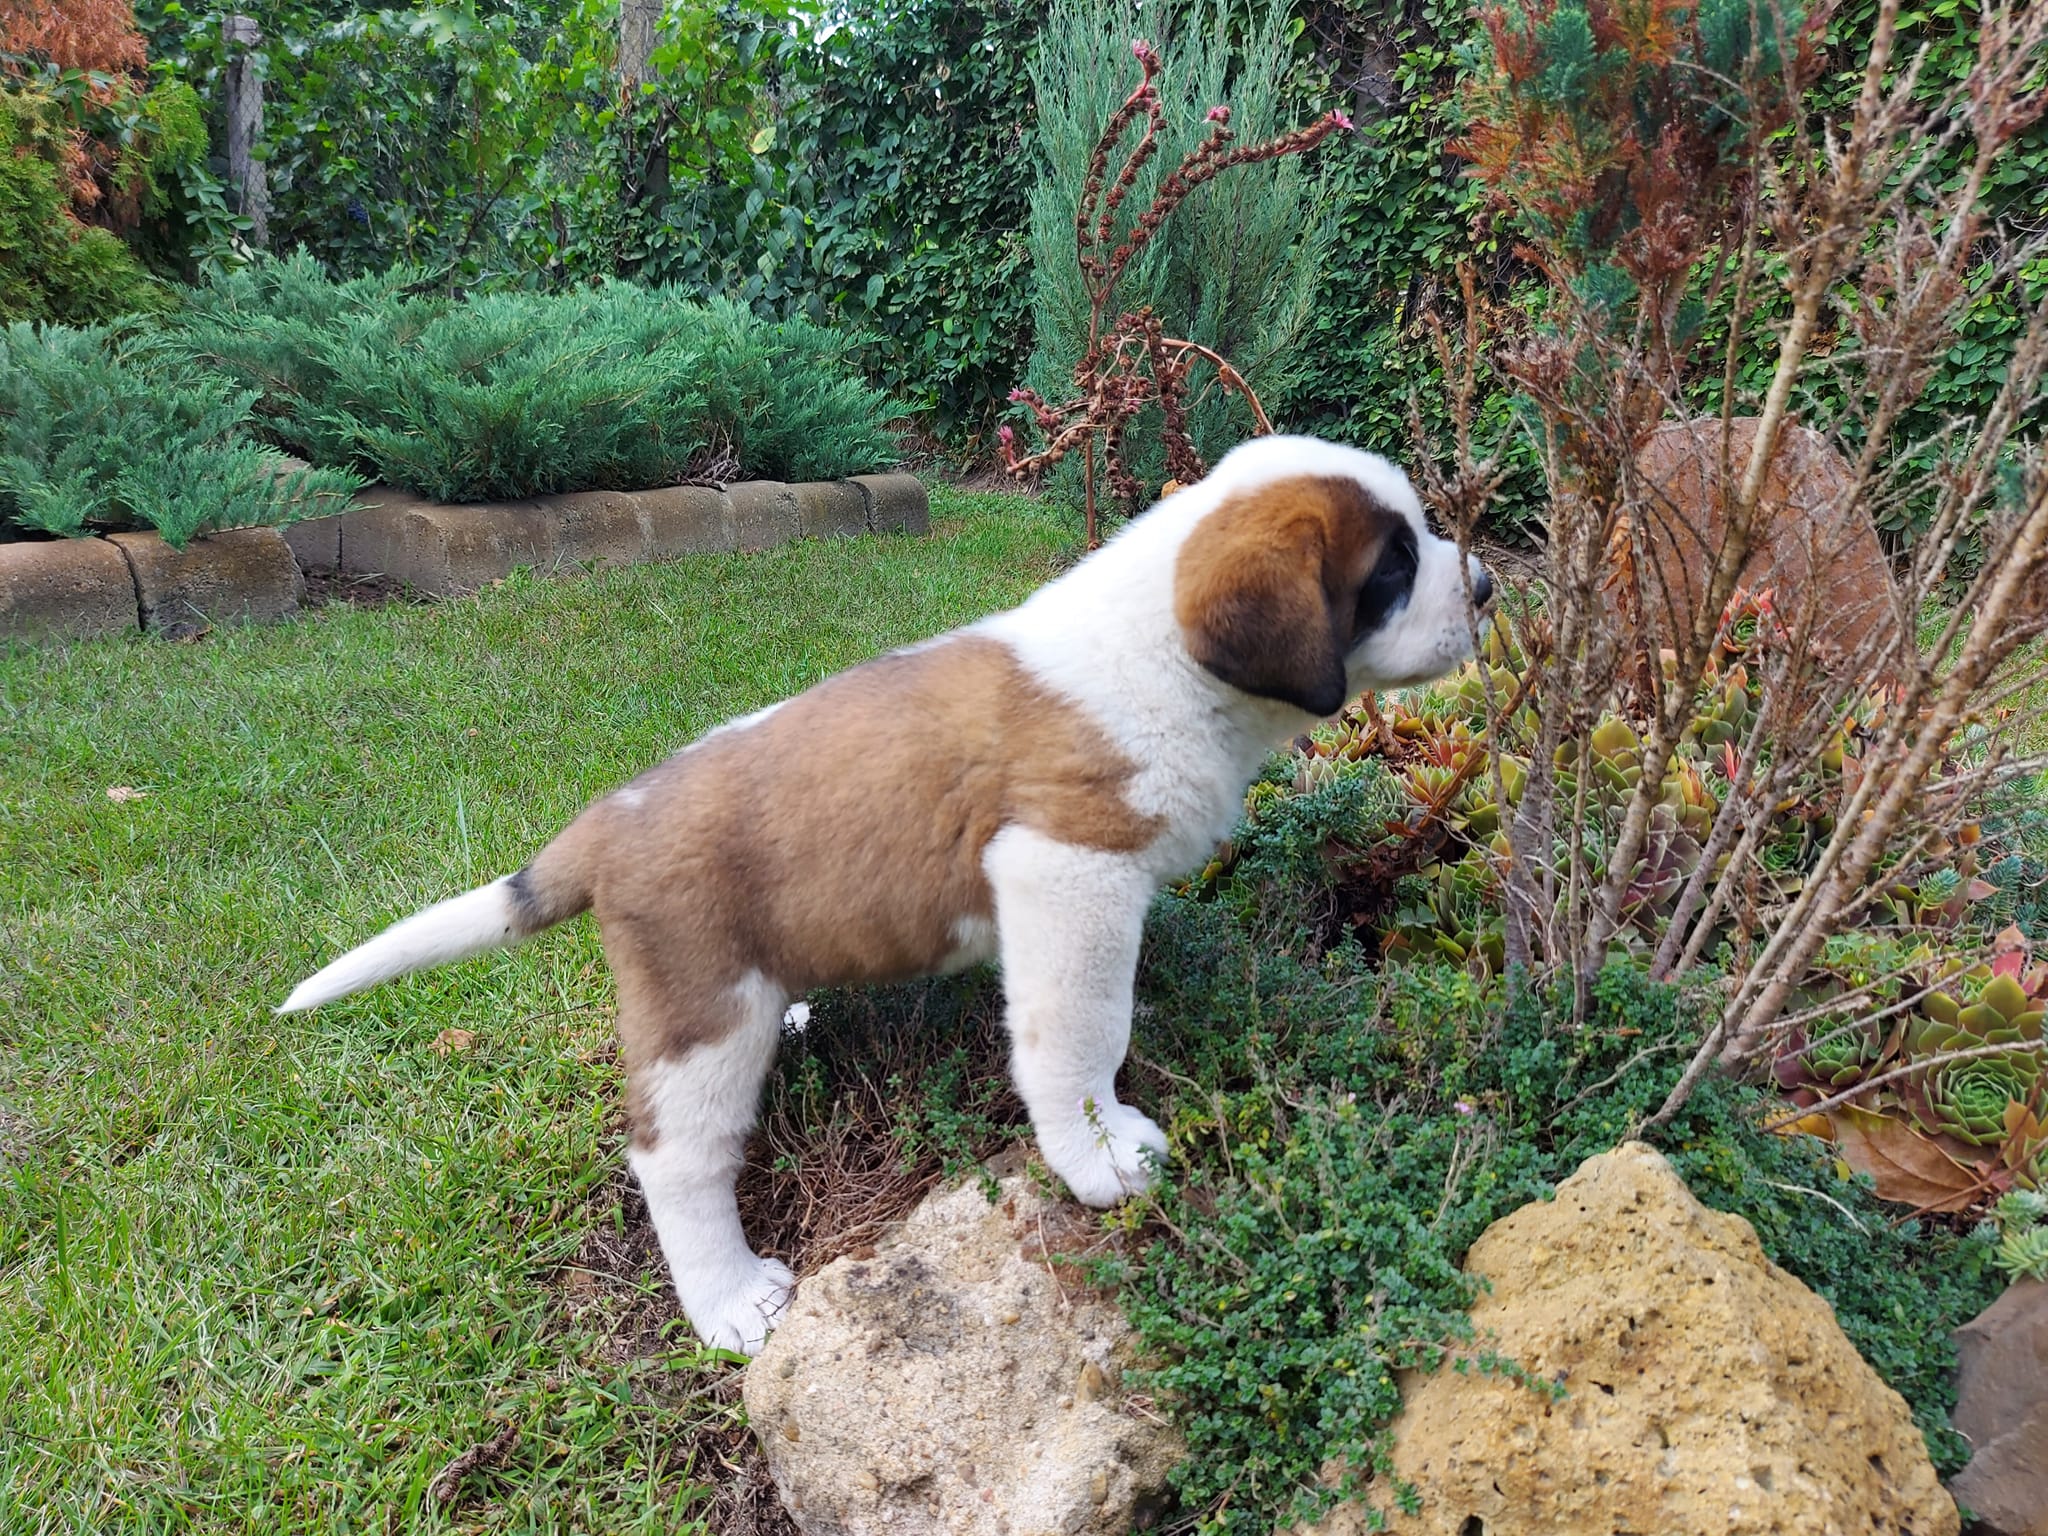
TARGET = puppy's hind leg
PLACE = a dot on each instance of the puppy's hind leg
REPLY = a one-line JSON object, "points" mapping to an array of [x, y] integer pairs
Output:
{"points": [[693, 1106], [1069, 921]]}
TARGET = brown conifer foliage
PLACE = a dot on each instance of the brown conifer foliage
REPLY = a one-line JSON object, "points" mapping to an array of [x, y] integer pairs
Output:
{"points": [[95, 35], [91, 37]]}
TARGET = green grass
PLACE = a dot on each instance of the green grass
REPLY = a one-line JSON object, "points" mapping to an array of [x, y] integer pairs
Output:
{"points": [[263, 1274]]}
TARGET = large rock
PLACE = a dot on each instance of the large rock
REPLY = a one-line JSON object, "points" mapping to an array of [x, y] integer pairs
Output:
{"points": [[1706, 1389], [957, 1382], [1803, 551], [2002, 1409]]}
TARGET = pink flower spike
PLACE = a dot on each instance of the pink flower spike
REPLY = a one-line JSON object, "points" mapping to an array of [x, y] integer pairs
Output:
{"points": [[1006, 434], [1342, 122], [1464, 1108], [1219, 114], [1016, 395], [1139, 47]]}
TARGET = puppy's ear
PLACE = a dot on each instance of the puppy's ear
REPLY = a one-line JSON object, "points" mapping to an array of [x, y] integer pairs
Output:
{"points": [[1264, 586]]}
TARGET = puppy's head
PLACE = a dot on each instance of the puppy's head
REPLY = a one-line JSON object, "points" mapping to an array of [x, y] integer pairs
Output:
{"points": [[1314, 577]]}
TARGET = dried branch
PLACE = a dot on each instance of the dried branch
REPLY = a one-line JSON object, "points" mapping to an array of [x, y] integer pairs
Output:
{"points": [[1133, 363]]}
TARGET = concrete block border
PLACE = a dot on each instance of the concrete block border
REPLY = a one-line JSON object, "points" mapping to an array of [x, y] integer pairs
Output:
{"points": [[443, 548], [74, 589], [79, 588]]}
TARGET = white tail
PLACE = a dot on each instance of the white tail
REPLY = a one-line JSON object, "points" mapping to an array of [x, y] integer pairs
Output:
{"points": [[485, 918]]}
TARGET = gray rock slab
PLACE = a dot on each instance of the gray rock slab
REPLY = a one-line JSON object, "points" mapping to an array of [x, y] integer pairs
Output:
{"points": [[766, 513], [442, 548], [688, 520], [897, 503], [831, 508]]}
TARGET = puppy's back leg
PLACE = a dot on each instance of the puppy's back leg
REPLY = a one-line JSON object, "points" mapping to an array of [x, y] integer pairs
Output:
{"points": [[1069, 921], [696, 1057]]}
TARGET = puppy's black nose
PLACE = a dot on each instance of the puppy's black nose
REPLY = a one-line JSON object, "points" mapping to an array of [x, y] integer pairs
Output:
{"points": [[1482, 587]]}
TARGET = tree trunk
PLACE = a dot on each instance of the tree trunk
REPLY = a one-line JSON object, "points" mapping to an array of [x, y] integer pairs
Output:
{"points": [[646, 167], [245, 124]]}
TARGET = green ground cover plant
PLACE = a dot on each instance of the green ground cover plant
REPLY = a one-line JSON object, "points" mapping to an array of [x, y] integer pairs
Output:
{"points": [[259, 1275], [1342, 1133], [510, 394], [97, 436]]}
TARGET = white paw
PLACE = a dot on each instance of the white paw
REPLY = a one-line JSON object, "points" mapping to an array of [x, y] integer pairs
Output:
{"points": [[737, 1308], [1110, 1155]]}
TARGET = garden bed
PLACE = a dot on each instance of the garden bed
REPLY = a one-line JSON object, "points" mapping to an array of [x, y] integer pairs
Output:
{"points": [[82, 588]]}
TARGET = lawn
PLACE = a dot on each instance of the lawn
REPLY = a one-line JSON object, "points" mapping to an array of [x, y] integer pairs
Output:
{"points": [[262, 1274]]}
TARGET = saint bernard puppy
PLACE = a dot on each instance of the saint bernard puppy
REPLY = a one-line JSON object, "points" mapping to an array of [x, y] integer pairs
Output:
{"points": [[1015, 790]]}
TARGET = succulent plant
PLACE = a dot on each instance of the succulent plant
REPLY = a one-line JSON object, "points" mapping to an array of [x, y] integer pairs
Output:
{"points": [[1837, 1056], [1749, 623], [1316, 772], [1844, 1058], [1691, 804], [2019, 1224], [1943, 898], [1967, 1098], [1723, 712]]}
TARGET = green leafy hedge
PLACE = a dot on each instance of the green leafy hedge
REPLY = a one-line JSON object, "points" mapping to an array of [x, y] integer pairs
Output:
{"points": [[512, 394], [891, 196], [95, 436]]}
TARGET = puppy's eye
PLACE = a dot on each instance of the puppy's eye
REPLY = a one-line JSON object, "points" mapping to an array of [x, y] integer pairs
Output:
{"points": [[1389, 584]]}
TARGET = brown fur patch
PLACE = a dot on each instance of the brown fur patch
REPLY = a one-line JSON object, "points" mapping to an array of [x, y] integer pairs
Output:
{"points": [[839, 840], [1267, 586]]}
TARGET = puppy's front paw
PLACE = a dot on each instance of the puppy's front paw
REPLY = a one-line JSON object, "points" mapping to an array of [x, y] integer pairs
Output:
{"points": [[738, 1308], [1109, 1156]]}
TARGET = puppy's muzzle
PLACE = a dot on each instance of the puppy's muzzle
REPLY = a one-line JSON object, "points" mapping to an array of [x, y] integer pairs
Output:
{"points": [[1482, 585]]}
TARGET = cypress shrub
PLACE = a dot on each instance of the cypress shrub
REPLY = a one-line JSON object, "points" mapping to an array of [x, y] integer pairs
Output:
{"points": [[1236, 267], [93, 437], [503, 395]]}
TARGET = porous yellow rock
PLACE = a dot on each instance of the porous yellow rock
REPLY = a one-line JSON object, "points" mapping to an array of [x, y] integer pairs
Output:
{"points": [[1706, 1389]]}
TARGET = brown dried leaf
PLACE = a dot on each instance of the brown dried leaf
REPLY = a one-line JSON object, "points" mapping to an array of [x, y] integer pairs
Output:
{"points": [[1906, 1166], [2026, 1137], [453, 1040], [121, 794]]}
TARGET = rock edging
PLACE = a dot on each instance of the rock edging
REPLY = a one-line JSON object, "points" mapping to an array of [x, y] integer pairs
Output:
{"points": [[443, 547], [76, 589]]}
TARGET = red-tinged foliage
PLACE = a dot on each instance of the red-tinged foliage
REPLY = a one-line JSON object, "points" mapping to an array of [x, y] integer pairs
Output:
{"points": [[1607, 127], [97, 38], [94, 35]]}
